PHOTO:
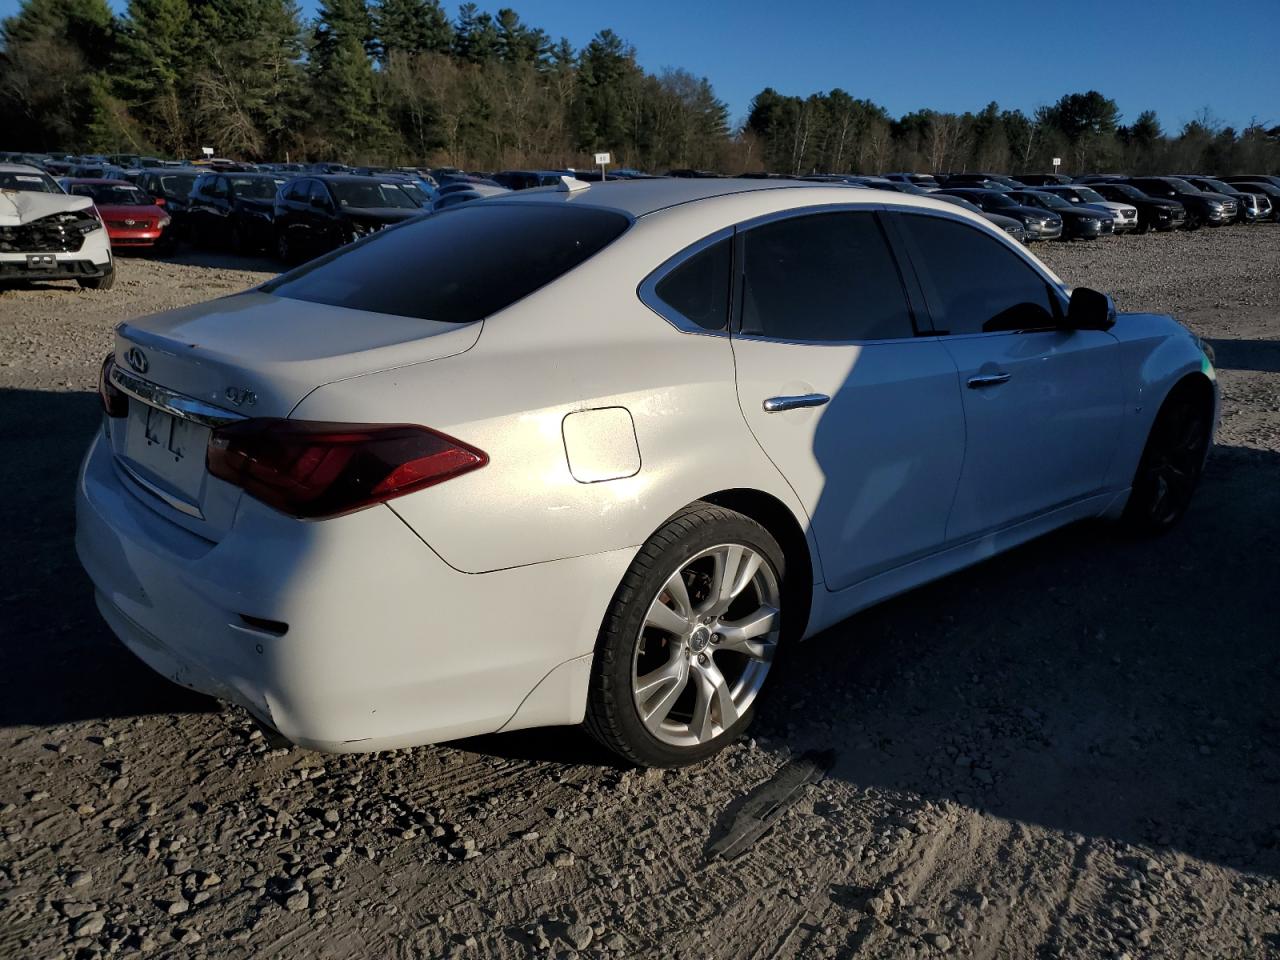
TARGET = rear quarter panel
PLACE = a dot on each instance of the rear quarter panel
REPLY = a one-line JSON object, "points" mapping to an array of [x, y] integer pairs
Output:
{"points": [[584, 342]]}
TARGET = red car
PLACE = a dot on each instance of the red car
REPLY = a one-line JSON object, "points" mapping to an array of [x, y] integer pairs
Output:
{"points": [[133, 219]]}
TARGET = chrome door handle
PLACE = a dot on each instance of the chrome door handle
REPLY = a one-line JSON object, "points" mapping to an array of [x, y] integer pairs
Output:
{"points": [[988, 380], [778, 404]]}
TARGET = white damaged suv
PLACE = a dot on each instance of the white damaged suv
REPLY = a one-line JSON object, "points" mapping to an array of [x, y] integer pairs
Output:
{"points": [[47, 235]]}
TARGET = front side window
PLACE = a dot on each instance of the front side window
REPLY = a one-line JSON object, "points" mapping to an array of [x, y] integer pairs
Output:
{"points": [[822, 277], [973, 282], [698, 289]]}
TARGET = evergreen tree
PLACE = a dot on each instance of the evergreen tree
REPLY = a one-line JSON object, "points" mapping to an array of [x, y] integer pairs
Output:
{"points": [[475, 37], [341, 72], [412, 26]]}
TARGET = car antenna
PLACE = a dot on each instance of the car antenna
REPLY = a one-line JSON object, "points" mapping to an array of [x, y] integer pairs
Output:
{"points": [[571, 185]]}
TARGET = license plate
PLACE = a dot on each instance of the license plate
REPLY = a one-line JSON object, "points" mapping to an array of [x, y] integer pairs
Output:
{"points": [[167, 450], [41, 261]]}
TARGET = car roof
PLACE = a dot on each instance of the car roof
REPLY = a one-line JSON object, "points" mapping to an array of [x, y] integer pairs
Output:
{"points": [[19, 168], [641, 197], [96, 181]]}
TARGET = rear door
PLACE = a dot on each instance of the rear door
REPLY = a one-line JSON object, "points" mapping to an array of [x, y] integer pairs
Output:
{"points": [[1042, 405], [859, 413]]}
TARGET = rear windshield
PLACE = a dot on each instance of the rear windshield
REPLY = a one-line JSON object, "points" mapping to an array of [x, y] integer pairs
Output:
{"points": [[458, 265]]}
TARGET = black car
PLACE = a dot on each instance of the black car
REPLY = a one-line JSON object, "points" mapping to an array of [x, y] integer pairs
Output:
{"points": [[1252, 206], [316, 214], [1078, 222], [1044, 179], [1270, 178], [232, 211], [1092, 178], [987, 181], [1009, 225], [1038, 223], [919, 179], [524, 179], [170, 187], [1202, 208], [1262, 186], [1083, 195], [1154, 213]]}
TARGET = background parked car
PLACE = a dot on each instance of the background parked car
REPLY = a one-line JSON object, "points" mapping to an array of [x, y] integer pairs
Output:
{"points": [[1039, 224], [1265, 187], [987, 181], [232, 211], [1043, 179], [1211, 208], [926, 180], [1079, 194], [1251, 206], [47, 235], [1154, 213], [1009, 225], [524, 179], [170, 187], [316, 214], [1078, 223], [131, 217]]}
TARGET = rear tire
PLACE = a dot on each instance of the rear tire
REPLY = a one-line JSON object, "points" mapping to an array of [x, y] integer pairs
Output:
{"points": [[1171, 463], [688, 640]]}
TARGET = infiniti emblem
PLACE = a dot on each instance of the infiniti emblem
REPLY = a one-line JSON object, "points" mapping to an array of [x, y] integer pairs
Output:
{"points": [[136, 359]]}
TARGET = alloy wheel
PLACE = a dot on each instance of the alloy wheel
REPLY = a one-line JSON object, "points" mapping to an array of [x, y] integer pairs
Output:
{"points": [[706, 645], [1174, 464]]}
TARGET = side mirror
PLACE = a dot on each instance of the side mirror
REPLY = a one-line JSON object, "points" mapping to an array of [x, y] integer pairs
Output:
{"points": [[1090, 310]]}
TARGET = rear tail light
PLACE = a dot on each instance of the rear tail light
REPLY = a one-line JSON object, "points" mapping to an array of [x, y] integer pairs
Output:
{"points": [[311, 470], [114, 401]]}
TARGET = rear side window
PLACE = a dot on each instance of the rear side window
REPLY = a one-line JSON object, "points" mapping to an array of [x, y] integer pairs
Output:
{"points": [[973, 282], [459, 266], [698, 289], [825, 277]]}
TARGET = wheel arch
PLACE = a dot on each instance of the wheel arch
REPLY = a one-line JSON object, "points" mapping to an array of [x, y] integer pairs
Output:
{"points": [[776, 517]]}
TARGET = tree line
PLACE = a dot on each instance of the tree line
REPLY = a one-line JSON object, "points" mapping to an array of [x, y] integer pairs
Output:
{"points": [[399, 81]]}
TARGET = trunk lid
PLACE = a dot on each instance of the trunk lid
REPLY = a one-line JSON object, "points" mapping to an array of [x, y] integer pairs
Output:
{"points": [[248, 355]]}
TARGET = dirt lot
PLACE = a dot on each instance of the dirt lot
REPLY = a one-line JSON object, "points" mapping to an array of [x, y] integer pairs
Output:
{"points": [[1070, 751]]}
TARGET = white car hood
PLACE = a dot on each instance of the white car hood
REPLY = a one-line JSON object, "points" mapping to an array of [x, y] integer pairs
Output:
{"points": [[23, 206]]}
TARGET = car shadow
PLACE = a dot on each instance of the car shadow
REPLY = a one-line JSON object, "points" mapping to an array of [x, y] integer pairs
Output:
{"points": [[1258, 355], [189, 256], [58, 661], [1087, 682]]}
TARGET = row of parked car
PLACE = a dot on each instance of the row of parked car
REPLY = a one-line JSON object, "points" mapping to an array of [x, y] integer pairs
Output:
{"points": [[1054, 206], [297, 211]]}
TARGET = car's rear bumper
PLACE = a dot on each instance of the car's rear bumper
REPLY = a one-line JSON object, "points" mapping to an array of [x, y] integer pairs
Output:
{"points": [[386, 645]]}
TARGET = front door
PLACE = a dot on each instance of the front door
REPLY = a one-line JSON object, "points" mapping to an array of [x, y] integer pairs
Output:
{"points": [[1042, 405], [860, 414]]}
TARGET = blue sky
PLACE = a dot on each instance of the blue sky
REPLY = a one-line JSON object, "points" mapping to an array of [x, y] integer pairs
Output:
{"points": [[1174, 57]]}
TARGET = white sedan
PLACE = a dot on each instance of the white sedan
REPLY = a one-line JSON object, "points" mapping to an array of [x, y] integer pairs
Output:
{"points": [[597, 453]]}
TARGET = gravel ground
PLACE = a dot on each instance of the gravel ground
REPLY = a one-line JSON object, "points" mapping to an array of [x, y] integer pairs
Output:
{"points": [[1070, 751]]}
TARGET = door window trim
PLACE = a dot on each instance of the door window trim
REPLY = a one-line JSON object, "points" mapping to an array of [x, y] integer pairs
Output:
{"points": [[1057, 295]]}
